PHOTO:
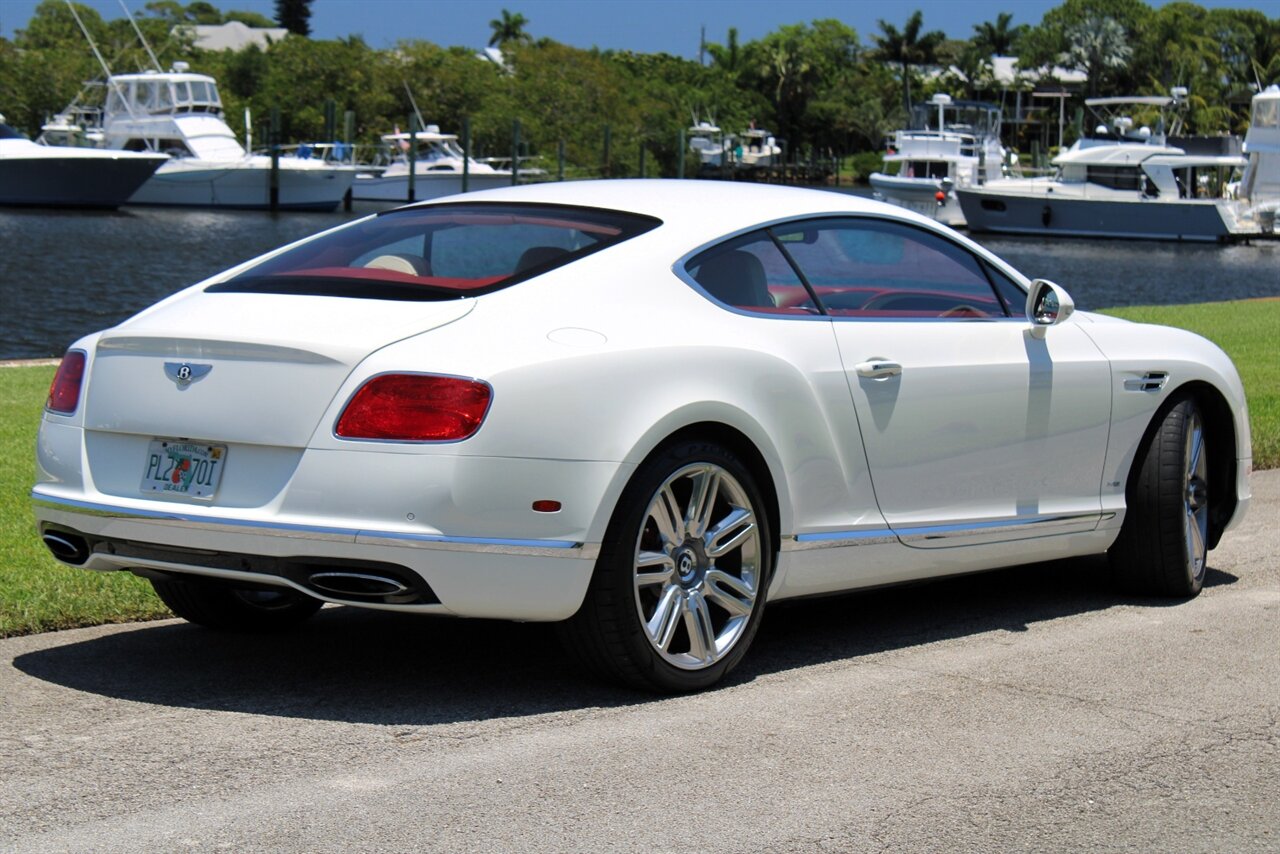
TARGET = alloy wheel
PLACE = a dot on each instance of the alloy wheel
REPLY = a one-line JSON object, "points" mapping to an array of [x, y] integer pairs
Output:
{"points": [[697, 566]]}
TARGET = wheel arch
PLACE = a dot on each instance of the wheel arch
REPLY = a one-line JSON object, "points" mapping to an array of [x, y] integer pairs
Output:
{"points": [[1220, 425], [737, 442], [760, 458]]}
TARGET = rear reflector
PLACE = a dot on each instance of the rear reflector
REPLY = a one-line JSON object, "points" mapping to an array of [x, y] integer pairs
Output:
{"points": [[415, 408], [64, 394]]}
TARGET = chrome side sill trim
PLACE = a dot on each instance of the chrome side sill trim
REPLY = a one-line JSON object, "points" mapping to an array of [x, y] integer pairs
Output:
{"points": [[839, 539], [405, 539], [1030, 526]]}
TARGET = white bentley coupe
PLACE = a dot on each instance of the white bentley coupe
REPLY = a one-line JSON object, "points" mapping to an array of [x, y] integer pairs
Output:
{"points": [[640, 408]]}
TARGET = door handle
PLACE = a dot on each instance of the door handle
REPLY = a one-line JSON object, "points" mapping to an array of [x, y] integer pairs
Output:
{"points": [[878, 369]]}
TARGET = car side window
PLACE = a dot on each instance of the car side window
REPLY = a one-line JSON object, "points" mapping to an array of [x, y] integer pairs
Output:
{"points": [[1011, 293], [752, 274], [881, 269]]}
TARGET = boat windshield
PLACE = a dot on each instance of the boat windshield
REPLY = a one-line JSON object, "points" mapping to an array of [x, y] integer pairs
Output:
{"points": [[163, 96], [439, 252], [979, 119], [1266, 113]]}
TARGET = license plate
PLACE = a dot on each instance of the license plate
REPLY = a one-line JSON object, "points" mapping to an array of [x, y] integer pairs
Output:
{"points": [[192, 469]]}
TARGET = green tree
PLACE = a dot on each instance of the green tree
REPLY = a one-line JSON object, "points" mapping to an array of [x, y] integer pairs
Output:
{"points": [[1050, 42], [508, 29], [1097, 45], [907, 48], [796, 66], [997, 38], [294, 16], [727, 56]]}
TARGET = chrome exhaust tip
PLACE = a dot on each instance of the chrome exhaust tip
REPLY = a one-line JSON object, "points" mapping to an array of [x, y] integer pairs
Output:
{"points": [[68, 548], [356, 585]]}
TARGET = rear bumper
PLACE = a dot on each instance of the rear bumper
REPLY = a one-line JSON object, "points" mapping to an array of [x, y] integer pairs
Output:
{"points": [[516, 579]]}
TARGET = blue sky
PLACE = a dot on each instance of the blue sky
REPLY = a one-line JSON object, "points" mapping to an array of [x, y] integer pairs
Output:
{"points": [[672, 26]]}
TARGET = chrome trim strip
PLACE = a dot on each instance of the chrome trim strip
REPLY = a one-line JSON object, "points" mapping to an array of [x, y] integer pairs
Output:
{"points": [[409, 539], [186, 348], [1032, 525], [839, 539]]}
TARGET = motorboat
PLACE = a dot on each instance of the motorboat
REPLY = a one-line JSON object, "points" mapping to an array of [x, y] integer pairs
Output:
{"points": [[756, 149], [179, 113], [949, 144], [49, 176], [711, 146], [1259, 189], [438, 169], [1119, 182]]}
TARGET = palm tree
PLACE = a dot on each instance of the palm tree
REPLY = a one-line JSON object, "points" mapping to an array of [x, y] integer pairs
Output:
{"points": [[908, 48], [508, 28], [1096, 45], [996, 39]]}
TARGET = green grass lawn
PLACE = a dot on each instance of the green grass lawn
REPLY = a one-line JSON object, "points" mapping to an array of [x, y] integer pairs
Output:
{"points": [[36, 592], [39, 594], [1249, 331]]}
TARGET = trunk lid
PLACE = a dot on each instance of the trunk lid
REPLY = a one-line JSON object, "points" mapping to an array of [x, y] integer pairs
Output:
{"points": [[260, 368]]}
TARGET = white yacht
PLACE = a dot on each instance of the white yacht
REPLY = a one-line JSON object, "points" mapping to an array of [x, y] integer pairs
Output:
{"points": [[48, 176], [1117, 183], [437, 172], [180, 114], [709, 144], [949, 144], [756, 149], [1259, 189]]}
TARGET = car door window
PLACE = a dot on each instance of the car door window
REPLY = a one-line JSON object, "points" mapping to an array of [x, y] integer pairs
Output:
{"points": [[752, 274], [876, 268], [1010, 292]]}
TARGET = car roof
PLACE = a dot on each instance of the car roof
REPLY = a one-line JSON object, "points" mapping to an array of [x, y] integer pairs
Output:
{"points": [[699, 209]]}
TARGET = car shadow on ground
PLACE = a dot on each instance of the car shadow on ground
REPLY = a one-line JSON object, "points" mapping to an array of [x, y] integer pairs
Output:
{"points": [[360, 666]]}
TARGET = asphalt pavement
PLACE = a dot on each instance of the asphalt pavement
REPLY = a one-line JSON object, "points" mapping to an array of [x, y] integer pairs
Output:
{"points": [[1031, 709]]}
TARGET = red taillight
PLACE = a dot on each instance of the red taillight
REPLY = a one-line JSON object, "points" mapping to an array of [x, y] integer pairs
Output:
{"points": [[415, 408], [64, 394]]}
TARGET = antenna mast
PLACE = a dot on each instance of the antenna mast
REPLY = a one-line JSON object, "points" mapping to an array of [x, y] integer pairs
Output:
{"points": [[105, 68], [92, 45], [421, 124], [141, 37]]}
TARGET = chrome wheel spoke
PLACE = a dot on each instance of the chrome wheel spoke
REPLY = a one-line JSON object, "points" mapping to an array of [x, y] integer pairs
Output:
{"points": [[1196, 463], [1195, 539], [654, 568], [702, 633], [666, 618], [1195, 500], [665, 513], [732, 531], [729, 592], [702, 501]]}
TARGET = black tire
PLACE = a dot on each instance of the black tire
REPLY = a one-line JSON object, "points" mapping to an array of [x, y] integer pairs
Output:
{"points": [[1162, 547], [219, 605], [676, 611]]}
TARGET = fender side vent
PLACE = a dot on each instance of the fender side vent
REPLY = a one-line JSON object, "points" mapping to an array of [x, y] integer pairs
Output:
{"points": [[1151, 381]]}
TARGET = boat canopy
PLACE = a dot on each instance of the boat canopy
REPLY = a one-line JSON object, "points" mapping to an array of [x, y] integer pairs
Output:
{"points": [[1117, 155], [975, 117], [155, 94], [1144, 100]]}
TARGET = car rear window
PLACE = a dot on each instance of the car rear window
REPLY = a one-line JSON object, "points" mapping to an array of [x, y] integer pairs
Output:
{"points": [[439, 252]]}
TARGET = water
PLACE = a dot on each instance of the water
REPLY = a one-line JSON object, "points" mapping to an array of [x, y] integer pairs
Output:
{"points": [[64, 274]]}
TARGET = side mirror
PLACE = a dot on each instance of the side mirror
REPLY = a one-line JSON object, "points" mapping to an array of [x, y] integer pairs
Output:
{"points": [[1048, 304]]}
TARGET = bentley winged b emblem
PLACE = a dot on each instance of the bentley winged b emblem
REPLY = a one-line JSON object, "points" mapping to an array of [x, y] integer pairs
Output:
{"points": [[185, 373]]}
